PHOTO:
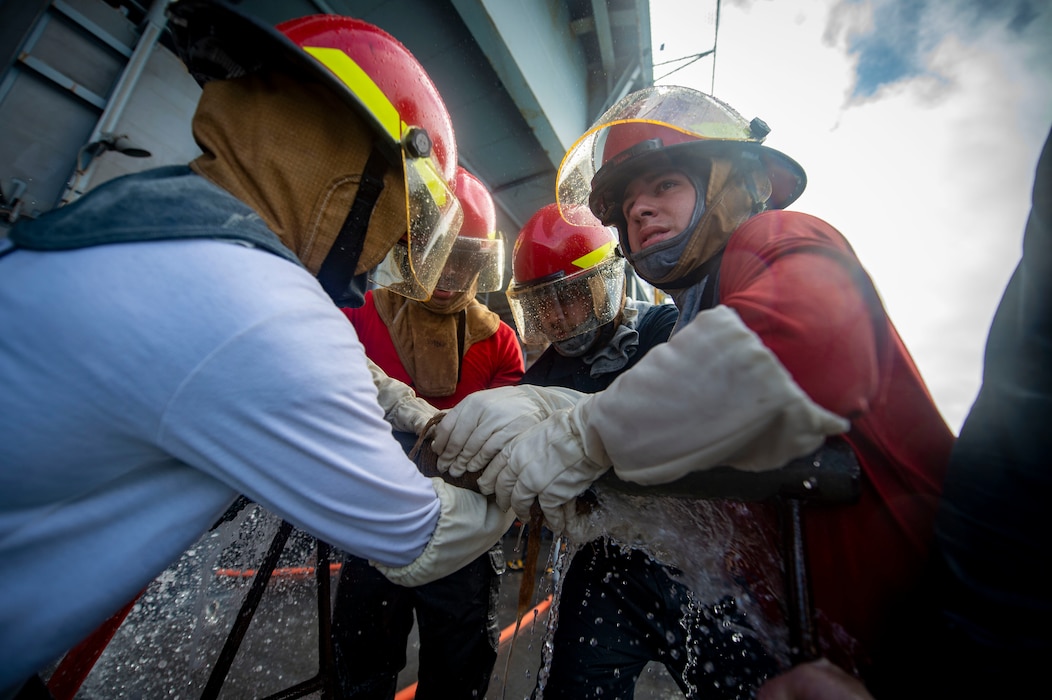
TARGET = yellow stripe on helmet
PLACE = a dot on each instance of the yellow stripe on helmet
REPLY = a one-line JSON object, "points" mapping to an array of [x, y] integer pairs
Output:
{"points": [[425, 168], [594, 258], [374, 100], [359, 82]]}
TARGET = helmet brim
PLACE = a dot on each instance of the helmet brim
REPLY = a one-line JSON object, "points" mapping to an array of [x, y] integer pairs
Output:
{"points": [[217, 41]]}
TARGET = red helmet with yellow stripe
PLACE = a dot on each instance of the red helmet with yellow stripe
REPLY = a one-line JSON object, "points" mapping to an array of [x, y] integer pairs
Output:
{"points": [[386, 79], [478, 253], [567, 279], [666, 126], [376, 76]]}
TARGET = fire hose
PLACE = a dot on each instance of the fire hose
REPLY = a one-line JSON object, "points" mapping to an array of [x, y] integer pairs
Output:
{"points": [[828, 476]]}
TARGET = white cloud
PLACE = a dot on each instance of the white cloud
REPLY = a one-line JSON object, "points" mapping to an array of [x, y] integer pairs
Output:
{"points": [[928, 176]]}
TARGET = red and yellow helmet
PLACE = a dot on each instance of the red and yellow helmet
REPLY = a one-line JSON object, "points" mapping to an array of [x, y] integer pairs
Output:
{"points": [[665, 126], [478, 253], [567, 279], [378, 78], [386, 80]]}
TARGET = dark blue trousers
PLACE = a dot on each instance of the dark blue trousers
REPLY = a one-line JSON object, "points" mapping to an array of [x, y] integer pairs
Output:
{"points": [[619, 610], [457, 621]]}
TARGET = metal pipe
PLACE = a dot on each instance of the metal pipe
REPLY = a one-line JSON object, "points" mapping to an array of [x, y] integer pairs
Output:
{"points": [[803, 640], [125, 87], [831, 474], [248, 610]]}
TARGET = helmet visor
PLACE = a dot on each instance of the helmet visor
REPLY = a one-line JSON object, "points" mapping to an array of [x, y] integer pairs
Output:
{"points": [[568, 306], [692, 113], [434, 216], [471, 259]]}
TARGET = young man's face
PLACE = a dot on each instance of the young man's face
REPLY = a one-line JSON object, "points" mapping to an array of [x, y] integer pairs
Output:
{"points": [[657, 206], [562, 319]]}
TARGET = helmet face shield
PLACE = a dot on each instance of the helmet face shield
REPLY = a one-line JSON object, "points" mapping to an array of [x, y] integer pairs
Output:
{"points": [[473, 259], [414, 264], [568, 306], [635, 130]]}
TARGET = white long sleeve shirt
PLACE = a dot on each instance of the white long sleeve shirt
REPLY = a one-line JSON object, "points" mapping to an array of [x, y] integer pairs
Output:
{"points": [[142, 387]]}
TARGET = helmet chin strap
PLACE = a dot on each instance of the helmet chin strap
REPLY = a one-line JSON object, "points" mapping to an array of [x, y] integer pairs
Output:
{"points": [[735, 193], [687, 280], [755, 181], [337, 270]]}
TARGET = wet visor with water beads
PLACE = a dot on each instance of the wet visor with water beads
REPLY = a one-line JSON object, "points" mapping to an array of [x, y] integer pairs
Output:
{"points": [[663, 127], [567, 279], [478, 253], [471, 259], [414, 265]]}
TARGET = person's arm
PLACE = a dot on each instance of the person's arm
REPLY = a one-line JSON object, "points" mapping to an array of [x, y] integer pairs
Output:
{"points": [[712, 395], [403, 409], [795, 308], [806, 296], [286, 412]]}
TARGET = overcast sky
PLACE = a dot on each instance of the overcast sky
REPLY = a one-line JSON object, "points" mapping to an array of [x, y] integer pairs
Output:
{"points": [[919, 123]]}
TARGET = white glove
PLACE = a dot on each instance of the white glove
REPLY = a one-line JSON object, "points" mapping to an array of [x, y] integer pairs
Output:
{"points": [[561, 467], [713, 395], [403, 409], [468, 525], [479, 427]]}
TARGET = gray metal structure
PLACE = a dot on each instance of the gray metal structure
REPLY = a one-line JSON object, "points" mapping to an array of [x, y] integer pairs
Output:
{"points": [[81, 80]]}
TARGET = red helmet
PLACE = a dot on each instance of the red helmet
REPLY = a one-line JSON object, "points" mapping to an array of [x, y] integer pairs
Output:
{"points": [[567, 279], [377, 77], [480, 218], [666, 125], [406, 100], [478, 252]]}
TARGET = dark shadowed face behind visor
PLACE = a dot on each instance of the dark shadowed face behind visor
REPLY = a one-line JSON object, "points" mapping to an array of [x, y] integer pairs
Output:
{"points": [[413, 266], [472, 259], [562, 308]]}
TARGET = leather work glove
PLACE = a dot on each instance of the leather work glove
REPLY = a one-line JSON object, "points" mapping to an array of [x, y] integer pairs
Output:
{"points": [[468, 525], [483, 423], [562, 466], [403, 409], [713, 395]]}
